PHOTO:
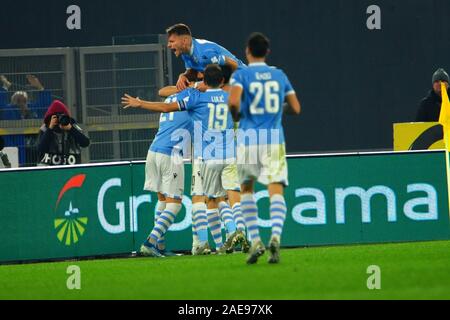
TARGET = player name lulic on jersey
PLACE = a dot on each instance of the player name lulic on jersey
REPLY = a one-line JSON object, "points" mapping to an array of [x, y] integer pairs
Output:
{"points": [[218, 99]]}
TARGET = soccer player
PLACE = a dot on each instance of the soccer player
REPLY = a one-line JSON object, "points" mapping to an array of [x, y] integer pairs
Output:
{"points": [[217, 125], [198, 199], [164, 174], [197, 54], [213, 124], [230, 182], [256, 99]]}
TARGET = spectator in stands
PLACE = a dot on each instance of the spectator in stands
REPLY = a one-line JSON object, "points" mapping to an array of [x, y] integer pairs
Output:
{"points": [[430, 106], [5, 84], [60, 138], [21, 108]]}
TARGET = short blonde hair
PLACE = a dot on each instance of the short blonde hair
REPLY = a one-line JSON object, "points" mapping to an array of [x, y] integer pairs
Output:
{"points": [[16, 96]]}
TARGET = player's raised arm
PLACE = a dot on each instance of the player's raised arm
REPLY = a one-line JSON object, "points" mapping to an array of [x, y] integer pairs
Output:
{"points": [[234, 102], [292, 105], [131, 102]]}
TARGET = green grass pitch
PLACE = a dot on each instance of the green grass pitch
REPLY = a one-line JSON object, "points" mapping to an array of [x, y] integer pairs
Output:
{"points": [[408, 271]]}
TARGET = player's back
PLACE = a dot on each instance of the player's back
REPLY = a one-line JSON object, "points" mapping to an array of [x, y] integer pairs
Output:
{"points": [[212, 123], [264, 91], [205, 52]]}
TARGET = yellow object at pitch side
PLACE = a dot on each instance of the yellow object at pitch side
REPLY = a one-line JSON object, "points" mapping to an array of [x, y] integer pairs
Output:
{"points": [[418, 136]]}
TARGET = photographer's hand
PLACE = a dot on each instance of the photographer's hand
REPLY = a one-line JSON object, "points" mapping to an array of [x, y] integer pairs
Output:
{"points": [[53, 122]]}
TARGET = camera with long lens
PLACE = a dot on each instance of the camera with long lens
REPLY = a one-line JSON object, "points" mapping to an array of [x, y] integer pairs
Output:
{"points": [[63, 119]]}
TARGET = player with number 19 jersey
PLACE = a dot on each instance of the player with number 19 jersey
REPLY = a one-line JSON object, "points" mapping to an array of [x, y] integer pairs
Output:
{"points": [[217, 148], [209, 111], [264, 91]]}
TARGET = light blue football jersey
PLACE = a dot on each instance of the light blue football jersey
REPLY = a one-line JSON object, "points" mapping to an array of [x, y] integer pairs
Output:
{"points": [[264, 92], [204, 52], [213, 125], [175, 129]]}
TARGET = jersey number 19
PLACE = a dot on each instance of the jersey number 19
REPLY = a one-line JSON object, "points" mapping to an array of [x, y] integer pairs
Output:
{"points": [[218, 116]]}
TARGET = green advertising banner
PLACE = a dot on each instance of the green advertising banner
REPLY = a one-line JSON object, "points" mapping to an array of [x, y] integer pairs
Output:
{"points": [[367, 199], [63, 213], [56, 213]]}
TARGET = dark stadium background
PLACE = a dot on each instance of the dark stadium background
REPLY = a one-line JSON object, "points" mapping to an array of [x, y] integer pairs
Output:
{"points": [[353, 83]]}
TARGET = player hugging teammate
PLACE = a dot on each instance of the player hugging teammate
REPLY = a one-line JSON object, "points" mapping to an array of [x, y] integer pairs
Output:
{"points": [[225, 163]]}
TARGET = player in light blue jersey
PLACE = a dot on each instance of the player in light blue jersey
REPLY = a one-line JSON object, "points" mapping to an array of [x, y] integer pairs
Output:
{"points": [[256, 100], [164, 173], [198, 198], [197, 54], [210, 109], [213, 137], [229, 207]]}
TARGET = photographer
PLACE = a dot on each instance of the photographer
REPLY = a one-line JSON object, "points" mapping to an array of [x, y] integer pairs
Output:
{"points": [[60, 138]]}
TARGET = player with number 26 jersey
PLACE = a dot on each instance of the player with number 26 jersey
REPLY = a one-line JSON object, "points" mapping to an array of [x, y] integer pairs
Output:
{"points": [[264, 91], [257, 99]]}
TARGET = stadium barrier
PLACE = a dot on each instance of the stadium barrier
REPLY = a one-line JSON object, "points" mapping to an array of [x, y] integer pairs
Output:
{"points": [[101, 209]]}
